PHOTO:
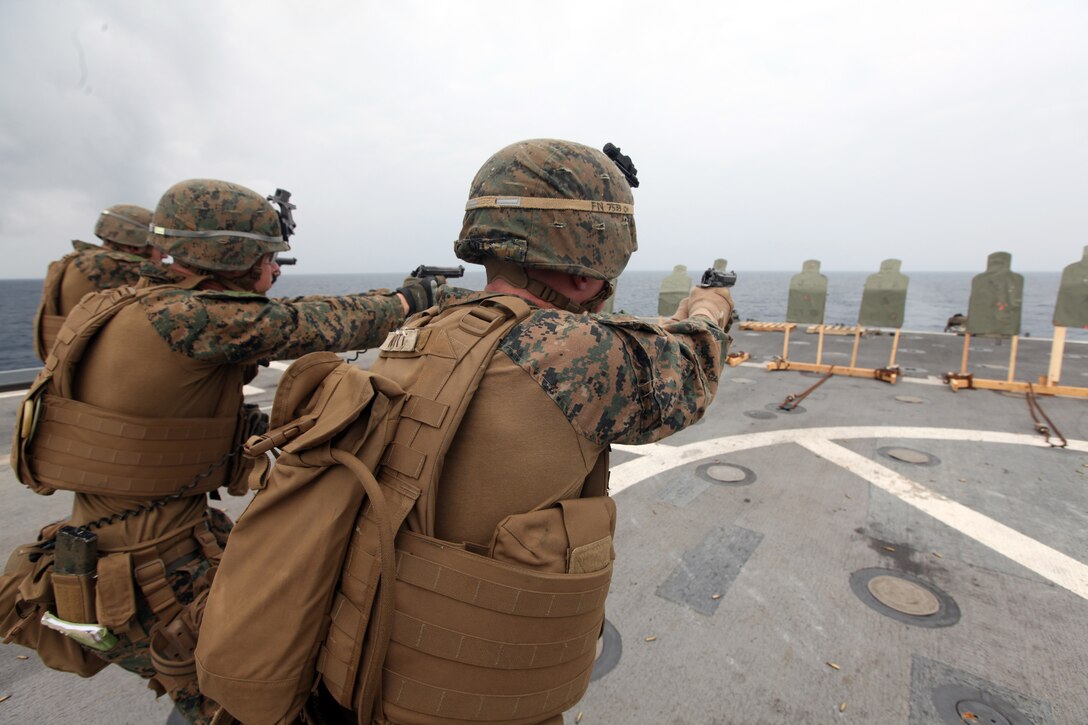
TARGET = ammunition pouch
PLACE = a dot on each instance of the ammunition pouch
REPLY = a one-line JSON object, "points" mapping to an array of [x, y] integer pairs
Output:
{"points": [[26, 592], [74, 595], [30, 587]]}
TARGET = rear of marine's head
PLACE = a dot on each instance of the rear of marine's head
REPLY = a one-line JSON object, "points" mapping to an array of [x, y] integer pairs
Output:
{"points": [[218, 228], [123, 227], [550, 205]]}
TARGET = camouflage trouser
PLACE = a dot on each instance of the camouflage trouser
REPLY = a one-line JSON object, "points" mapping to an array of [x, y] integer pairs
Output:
{"points": [[188, 577]]}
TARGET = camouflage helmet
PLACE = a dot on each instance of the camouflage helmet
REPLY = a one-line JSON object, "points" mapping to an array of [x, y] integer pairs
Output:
{"points": [[550, 204], [216, 225], [124, 224]]}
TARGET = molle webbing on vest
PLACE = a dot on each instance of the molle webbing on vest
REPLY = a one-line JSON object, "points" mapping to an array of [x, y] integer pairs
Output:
{"points": [[74, 446], [480, 640], [80, 447], [444, 369]]}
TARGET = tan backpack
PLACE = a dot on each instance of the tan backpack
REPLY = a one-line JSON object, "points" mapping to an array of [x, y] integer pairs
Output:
{"points": [[313, 580]]}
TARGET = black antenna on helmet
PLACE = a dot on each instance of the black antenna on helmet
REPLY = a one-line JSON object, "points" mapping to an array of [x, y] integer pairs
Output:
{"points": [[624, 162], [282, 197]]}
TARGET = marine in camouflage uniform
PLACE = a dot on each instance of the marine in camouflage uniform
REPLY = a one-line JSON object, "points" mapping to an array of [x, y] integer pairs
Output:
{"points": [[552, 222], [185, 343], [91, 268], [578, 381]]}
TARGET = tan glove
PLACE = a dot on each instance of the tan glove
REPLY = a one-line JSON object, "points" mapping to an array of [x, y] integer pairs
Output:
{"points": [[714, 303]]}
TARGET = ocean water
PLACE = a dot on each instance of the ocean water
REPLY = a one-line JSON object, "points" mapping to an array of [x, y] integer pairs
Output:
{"points": [[932, 298]]}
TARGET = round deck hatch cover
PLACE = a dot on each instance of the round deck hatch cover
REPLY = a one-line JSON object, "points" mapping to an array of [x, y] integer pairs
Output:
{"points": [[909, 455], [964, 705], [904, 596], [729, 474], [973, 711], [909, 600], [726, 474]]}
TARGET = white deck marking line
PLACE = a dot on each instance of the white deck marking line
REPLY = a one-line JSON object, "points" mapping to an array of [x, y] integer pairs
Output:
{"points": [[1049, 563], [659, 457], [277, 365], [13, 394], [1063, 570], [251, 390]]}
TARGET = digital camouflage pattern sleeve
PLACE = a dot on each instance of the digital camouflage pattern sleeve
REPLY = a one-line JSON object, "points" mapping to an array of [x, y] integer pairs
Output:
{"points": [[108, 269], [617, 378], [241, 327]]}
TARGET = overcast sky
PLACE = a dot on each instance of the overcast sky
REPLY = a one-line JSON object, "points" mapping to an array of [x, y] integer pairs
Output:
{"points": [[764, 132]]}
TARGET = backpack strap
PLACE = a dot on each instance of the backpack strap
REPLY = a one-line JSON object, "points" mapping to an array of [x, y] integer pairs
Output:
{"points": [[458, 350], [84, 322], [440, 359]]}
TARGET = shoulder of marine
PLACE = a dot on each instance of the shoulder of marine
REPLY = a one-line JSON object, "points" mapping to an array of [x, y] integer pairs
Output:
{"points": [[107, 268], [192, 321], [616, 377]]}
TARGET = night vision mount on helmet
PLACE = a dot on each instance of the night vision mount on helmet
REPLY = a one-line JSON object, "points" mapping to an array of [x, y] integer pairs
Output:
{"points": [[551, 205], [219, 226]]}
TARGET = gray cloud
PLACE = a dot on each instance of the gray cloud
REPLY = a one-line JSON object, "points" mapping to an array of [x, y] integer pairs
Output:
{"points": [[767, 133]]}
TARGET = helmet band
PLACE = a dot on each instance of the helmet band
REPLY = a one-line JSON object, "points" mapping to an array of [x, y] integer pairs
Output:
{"points": [[212, 234], [530, 202], [122, 217]]}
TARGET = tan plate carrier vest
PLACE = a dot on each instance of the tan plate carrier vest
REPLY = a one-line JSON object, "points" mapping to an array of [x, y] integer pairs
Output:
{"points": [[48, 320], [64, 444], [417, 630]]}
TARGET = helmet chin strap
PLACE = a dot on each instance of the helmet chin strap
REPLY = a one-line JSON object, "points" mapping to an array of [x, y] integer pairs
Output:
{"points": [[518, 277]]}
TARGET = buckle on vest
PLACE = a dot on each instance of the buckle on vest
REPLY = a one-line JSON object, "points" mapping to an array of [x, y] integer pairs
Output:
{"points": [[278, 438], [479, 321]]}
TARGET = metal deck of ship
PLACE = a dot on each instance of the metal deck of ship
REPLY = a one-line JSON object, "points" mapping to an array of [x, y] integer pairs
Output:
{"points": [[751, 600]]}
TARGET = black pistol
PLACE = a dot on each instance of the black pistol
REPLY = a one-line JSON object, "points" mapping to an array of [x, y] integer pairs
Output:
{"points": [[425, 271], [717, 278]]}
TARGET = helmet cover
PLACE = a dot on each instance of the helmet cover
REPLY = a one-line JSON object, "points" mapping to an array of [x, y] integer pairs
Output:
{"points": [[550, 204], [216, 225], [124, 224]]}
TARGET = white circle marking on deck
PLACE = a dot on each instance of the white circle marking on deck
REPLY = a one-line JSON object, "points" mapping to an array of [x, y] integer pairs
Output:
{"points": [[1052, 564]]}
